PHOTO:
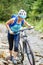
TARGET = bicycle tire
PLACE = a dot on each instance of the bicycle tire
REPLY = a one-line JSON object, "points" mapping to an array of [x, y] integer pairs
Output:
{"points": [[29, 53], [20, 53]]}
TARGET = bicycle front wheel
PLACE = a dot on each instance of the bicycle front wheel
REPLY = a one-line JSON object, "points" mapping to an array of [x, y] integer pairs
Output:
{"points": [[20, 53], [29, 53]]}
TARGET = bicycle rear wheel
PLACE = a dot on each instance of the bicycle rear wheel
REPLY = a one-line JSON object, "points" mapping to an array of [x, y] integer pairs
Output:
{"points": [[29, 53]]}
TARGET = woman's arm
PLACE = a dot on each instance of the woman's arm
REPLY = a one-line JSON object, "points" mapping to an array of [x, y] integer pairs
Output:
{"points": [[7, 25], [9, 22], [26, 23]]}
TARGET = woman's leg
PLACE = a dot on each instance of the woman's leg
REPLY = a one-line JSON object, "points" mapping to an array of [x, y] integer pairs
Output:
{"points": [[10, 40], [16, 39]]}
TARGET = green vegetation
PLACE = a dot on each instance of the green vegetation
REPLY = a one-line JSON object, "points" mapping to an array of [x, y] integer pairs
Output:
{"points": [[39, 26], [34, 9]]}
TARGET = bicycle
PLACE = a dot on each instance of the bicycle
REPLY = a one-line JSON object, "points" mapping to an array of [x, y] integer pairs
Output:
{"points": [[24, 47]]}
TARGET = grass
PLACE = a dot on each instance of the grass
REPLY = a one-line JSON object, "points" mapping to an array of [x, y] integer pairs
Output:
{"points": [[38, 24], [2, 22]]}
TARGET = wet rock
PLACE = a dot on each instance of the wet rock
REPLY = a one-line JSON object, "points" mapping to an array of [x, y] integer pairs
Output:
{"points": [[37, 59], [3, 37], [7, 62], [41, 37], [4, 46], [3, 28], [2, 54], [41, 62], [1, 63], [39, 55]]}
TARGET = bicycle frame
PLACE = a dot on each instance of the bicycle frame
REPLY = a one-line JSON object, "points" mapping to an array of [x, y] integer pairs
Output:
{"points": [[23, 37]]}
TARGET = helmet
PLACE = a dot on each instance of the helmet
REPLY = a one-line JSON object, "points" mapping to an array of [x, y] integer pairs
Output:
{"points": [[22, 13]]}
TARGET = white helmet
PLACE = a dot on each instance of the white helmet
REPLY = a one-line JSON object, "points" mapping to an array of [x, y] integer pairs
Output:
{"points": [[22, 13]]}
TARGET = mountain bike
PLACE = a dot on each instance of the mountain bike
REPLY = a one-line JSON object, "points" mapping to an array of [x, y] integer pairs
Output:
{"points": [[24, 47]]}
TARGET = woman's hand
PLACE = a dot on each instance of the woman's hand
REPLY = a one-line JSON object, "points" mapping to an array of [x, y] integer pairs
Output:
{"points": [[32, 26], [11, 32]]}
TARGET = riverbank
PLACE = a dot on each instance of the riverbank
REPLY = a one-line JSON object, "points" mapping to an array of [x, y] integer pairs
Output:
{"points": [[35, 39]]}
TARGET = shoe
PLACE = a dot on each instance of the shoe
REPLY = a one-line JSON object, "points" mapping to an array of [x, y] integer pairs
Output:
{"points": [[14, 60], [9, 58]]}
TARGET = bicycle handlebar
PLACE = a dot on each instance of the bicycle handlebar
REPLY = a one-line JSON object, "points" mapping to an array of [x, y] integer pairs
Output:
{"points": [[22, 30], [25, 29]]}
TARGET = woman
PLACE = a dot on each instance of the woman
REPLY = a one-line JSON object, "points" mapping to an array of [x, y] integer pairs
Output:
{"points": [[14, 25]]}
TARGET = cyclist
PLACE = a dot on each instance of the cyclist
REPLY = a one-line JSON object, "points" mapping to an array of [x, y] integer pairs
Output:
{"points": [[14, 25]]}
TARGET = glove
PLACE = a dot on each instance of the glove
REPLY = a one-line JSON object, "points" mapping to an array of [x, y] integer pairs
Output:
{"points": [[32, 26], [11, 32]]}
